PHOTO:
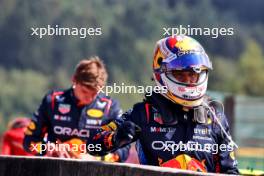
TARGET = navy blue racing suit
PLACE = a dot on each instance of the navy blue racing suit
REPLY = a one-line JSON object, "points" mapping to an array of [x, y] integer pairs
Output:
{"points": [[59, 118], [173, 137]]}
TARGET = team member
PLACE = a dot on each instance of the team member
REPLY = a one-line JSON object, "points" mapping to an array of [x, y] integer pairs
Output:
{"points": [[12, 143], [57, 122], [181, 128]]}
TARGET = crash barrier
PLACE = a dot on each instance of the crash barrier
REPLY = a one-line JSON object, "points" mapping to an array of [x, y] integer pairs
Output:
{"points": [[44, 166]]}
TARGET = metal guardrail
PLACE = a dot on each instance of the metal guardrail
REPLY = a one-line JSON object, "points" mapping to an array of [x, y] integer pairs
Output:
{"points": [[44, 166]]}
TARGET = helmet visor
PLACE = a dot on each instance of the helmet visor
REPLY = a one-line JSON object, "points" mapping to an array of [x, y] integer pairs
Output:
{"points": [[187, 77]]}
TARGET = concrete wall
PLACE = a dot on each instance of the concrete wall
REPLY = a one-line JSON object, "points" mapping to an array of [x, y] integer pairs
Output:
{"points": [[37, 166]]}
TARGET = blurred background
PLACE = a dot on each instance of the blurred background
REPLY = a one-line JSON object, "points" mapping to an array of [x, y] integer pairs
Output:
{"points": [[30, 66]]}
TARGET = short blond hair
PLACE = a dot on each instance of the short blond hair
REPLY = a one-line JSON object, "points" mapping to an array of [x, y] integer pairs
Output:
{"points": [[91, 72]]}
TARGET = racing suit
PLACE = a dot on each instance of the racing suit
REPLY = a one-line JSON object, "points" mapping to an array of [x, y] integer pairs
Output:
{"points": [[177, 138], [58, 119]]}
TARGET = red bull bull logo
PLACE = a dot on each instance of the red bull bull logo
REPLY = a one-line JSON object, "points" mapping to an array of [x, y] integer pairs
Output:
{"points": [[185, 162]]}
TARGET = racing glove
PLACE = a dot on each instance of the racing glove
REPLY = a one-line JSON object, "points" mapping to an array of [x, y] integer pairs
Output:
{"points": [[126, 133]]}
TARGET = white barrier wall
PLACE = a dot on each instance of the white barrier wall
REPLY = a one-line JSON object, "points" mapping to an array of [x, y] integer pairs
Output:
{"points": [[44, 166]]}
